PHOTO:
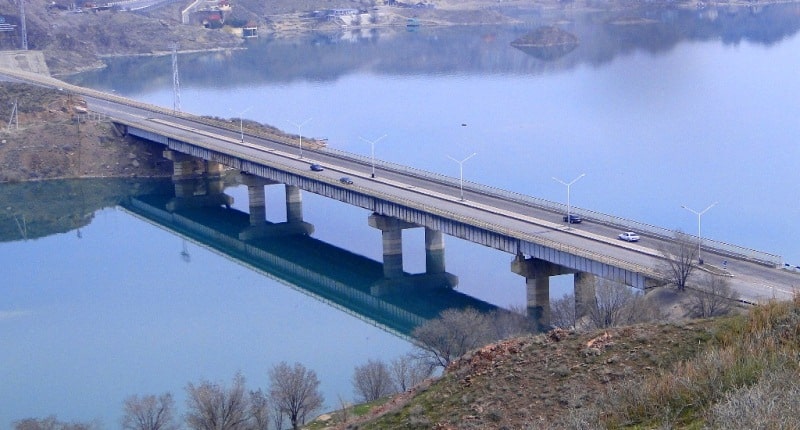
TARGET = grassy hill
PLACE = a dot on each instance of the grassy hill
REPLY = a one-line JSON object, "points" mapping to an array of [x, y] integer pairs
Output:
{"points": [[738, 372]]}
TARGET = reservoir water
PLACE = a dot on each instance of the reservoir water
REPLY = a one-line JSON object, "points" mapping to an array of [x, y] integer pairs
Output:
{"points": [[659, 110]]}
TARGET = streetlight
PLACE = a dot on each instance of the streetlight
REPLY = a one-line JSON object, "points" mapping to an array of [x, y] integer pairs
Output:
{"points": [[461, 171], [372, 150], [569, 184], [299, 132], [241, 125], [699, 238]]}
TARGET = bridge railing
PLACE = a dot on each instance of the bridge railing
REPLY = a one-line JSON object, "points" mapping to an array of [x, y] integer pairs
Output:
{"points": [[560, 208], [622, 223]]}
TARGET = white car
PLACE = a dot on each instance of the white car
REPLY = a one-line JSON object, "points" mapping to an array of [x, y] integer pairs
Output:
{"points": [[629, 236]]}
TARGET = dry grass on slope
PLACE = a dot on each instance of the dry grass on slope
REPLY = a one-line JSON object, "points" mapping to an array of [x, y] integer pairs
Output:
{"points": [[736, 372]]}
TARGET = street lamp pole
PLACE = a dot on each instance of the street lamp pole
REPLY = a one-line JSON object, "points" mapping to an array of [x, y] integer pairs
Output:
{"points": [[699, 238], [241, 124], [569, 184], [372, 150], [461, 172], [299, 132]]}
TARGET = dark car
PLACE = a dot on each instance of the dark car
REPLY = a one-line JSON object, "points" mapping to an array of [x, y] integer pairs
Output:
{"points": [[346, 180], [316, 168], [573, 219]]}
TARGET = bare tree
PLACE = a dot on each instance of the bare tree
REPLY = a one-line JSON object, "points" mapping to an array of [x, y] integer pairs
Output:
{"points": [[713, 298], [678, 259], [562, 312], [215, 407], [372, 380], [51, 423], [149, 413], [295, 391], [259, 410], [408, 370], [616, 305], [511, 323], [442, 340]]}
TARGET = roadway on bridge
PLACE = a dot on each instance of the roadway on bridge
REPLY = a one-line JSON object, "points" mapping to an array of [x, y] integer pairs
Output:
{"points": [[753, 281]]}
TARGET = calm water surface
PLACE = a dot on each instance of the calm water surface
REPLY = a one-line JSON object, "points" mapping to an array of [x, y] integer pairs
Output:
{"points": [[693, 108]]}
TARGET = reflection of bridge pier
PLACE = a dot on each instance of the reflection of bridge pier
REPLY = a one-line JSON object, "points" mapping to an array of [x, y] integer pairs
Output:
{"points": [[333, 275], [394, 277], [257, 202]]}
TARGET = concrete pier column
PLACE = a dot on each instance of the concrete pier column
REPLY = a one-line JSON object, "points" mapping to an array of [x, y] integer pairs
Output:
{"points": [[183, 166], [538, 300], [537, 275], [392, 235], [214, 168], [434, 251], [585, 293], [294, 204], [256, 198]]}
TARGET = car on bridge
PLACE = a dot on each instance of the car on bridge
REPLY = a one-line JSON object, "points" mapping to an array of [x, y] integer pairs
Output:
{"points": [[316, 168], [346, 180], [573, 219], [629, 236]]}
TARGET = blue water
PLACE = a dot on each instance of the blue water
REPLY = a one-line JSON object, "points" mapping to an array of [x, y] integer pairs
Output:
{"points": [[692, 115]]}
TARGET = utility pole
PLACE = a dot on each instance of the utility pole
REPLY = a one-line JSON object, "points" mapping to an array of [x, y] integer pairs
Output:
{"points": [[176, 81], [14, 116], [23, 30]]}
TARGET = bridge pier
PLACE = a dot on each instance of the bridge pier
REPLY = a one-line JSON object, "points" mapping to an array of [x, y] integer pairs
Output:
{"points": [[294, 204], [392, 236], [257, 202], [537, 275], [585, 293], [395, 279]]}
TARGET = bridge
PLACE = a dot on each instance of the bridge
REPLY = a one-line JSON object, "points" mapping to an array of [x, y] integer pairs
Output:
{"points": [[401, 197]]}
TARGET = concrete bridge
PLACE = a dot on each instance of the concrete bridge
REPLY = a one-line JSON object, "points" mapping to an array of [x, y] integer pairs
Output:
{"points": [[401, 197]]}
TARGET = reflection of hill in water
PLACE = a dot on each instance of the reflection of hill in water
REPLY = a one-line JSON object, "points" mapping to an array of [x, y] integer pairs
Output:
{"points": [[458, 50], [546, 43], [31, 210]]}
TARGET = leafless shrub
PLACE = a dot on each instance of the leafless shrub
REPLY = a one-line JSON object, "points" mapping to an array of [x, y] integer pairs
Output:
{"points": [[617, 305], [259, 411], [51, 423], [562, 312], [408, 370], [714, 298], [149, 413], [510, 323], [678, 259], [770, 404], [214, 407], [442, 340], [295, 392], [372, 381]]}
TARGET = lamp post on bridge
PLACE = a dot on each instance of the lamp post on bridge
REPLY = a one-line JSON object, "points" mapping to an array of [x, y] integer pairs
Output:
{"points": [[568, 185], [699, 238], [461, 172], [372, 150], [299, 132], [241, 123]]}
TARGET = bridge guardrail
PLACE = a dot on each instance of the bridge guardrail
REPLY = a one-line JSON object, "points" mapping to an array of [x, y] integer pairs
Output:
{"points": [[610, 220], [622, 223]]}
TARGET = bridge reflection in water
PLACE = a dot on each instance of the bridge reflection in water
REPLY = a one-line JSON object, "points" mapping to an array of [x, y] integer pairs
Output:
{"points": [[200, 212]]}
